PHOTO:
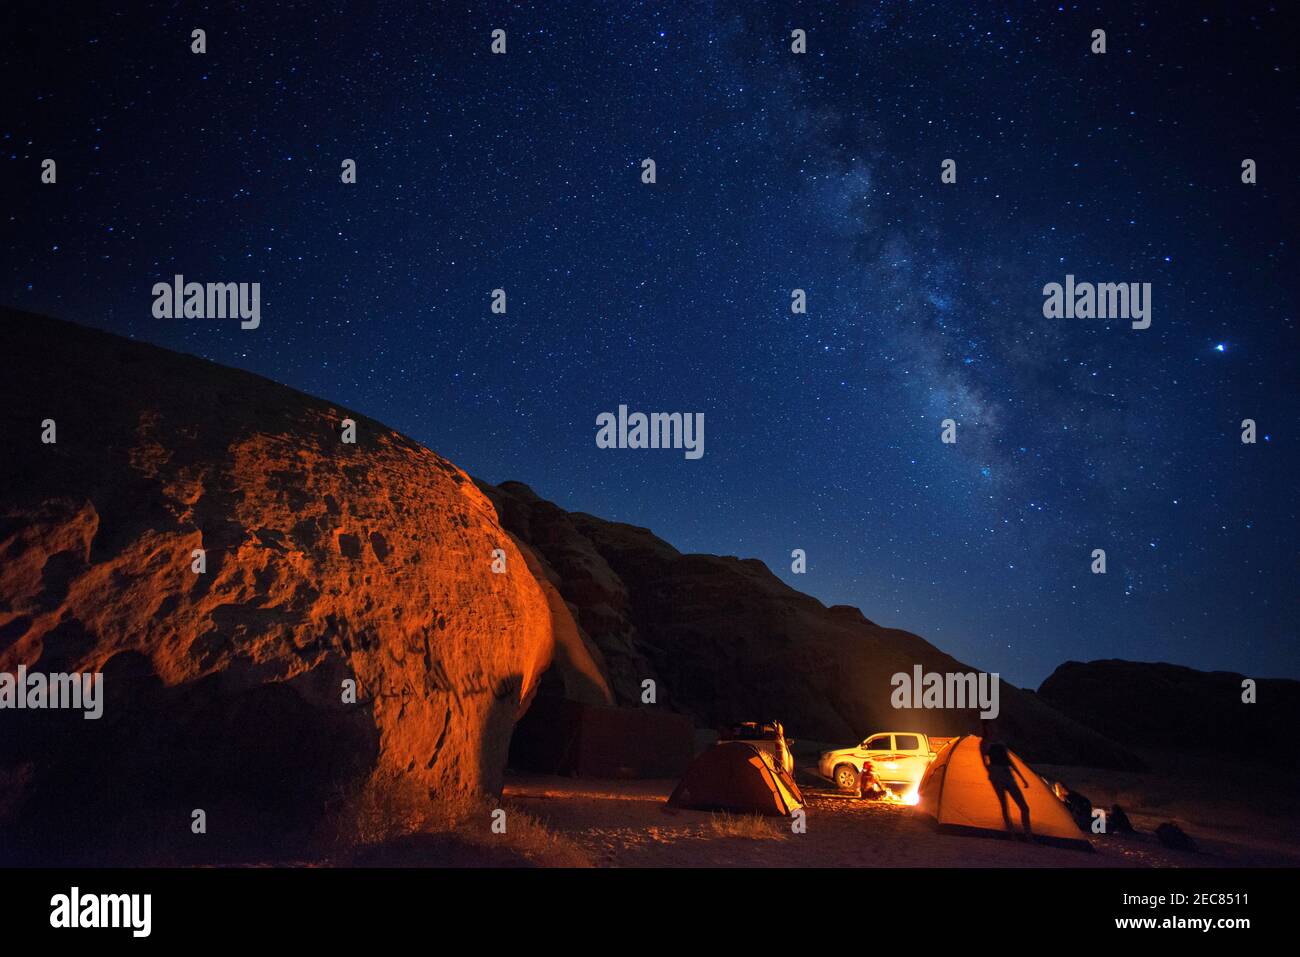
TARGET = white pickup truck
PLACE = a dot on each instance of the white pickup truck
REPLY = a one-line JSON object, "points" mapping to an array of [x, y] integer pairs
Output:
{"points": [[898, 758]]}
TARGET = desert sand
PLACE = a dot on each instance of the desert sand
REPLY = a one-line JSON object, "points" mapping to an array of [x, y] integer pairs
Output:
{"points": [[626, 824]]}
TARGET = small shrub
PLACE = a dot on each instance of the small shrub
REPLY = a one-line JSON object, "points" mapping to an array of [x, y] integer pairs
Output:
{"points": [[752, 827]]}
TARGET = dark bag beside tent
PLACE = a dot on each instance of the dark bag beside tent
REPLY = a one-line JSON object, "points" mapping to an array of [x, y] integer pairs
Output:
{"points": [[1172, 836]]}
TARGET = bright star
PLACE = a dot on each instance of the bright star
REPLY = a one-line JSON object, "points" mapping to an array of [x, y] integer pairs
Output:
{"points": [[1220, 348]]}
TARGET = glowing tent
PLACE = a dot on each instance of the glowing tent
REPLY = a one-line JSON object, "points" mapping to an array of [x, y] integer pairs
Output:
{"points": [[958, 794], [734, 776]]}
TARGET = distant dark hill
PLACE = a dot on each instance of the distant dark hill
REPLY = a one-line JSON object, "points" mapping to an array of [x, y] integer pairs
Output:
{"points": [[1143, 705], [726, 640]]}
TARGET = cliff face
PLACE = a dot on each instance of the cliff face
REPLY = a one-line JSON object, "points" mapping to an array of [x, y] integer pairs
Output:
{"points": [[726, 640], [226, 688]]}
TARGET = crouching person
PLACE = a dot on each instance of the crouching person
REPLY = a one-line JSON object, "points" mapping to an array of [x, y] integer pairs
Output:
{"points": [[869, 785]]}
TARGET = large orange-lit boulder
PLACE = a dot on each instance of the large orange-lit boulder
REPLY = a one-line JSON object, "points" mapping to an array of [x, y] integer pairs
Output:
{"points": [[286, 622]]}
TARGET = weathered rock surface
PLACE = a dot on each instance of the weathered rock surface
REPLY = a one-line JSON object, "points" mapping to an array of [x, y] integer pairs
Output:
{"points": [[726, 640], [596, 595], [325, 561]]}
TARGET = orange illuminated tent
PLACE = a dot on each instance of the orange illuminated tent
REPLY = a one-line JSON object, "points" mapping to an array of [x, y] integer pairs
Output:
{"points": [[956, 792], [734, 776]]}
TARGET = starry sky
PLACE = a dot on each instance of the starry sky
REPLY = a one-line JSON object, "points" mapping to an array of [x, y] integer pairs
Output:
{"points": [[775, 171]]}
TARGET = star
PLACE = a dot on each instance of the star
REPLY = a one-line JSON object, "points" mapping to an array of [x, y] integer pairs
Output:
{"points": [[776, 171]]}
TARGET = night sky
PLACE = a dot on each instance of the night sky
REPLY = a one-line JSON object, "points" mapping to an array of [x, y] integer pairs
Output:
{"points": [[775, 172]]}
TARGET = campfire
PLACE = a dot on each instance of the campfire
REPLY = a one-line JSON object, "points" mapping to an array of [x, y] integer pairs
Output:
{"points": [[909, 796]]}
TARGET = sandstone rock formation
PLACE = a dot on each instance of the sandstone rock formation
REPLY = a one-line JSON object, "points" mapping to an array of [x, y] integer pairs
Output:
{"points": [[325, 562]]}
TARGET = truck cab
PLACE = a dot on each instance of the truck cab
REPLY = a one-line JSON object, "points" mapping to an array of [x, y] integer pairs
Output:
{"points": [[898, 758]]}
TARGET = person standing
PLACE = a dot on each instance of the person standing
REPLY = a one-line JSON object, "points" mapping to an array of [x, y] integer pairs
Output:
{"points": [[1002, 773]]}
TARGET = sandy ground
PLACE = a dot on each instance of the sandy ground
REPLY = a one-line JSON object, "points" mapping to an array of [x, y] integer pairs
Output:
{"points": [[626, 824]]}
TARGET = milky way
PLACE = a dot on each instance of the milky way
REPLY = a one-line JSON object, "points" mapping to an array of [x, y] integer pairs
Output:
{"points": [[774, 172]]}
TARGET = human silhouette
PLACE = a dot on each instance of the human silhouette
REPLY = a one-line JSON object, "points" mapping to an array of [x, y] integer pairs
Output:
{"points": [[1002, 774]]}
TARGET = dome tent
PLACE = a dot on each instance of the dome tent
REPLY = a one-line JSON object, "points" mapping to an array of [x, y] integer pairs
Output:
{"points": [[957, 793], [734, 776]]}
